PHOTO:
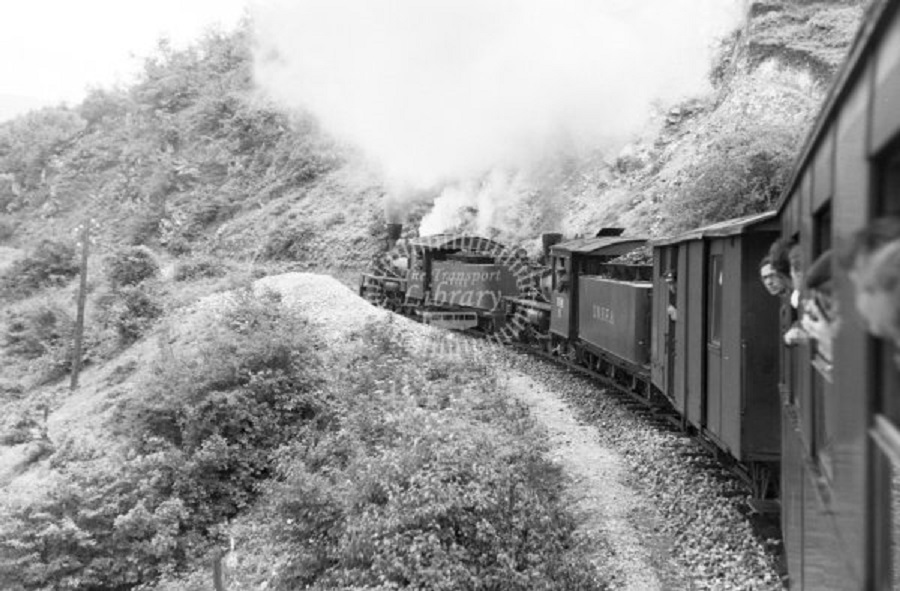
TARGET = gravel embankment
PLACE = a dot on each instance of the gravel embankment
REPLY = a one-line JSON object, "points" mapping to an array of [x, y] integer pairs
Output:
{"points": [[693, 507]]}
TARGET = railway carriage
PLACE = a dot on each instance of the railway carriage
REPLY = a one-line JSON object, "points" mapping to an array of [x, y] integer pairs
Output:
{"points": [[841, 420], [716, 360]]}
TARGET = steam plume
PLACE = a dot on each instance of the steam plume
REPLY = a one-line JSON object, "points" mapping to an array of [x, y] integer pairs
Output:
{"points": [[441, 92]]}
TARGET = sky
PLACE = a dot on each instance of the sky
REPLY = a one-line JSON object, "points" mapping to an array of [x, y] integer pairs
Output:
{"points": [[54, 50]]}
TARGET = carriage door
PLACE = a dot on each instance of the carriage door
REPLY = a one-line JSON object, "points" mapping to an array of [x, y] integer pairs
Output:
{"points": [[714, 293]]}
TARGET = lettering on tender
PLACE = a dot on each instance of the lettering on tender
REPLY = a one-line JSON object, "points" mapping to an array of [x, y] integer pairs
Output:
{"points": [[603, 314]]}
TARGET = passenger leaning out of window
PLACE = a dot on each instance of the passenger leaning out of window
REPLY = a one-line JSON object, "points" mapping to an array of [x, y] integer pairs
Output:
{"points": [[776, 281], [874, 262], [796, 334], [820, 320], [671, 310]]}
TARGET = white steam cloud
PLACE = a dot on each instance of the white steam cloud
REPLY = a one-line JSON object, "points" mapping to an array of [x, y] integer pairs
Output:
{"points": [[441, 92]]}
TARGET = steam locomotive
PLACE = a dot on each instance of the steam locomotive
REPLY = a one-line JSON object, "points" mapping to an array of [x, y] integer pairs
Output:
{"points": [[818, 438]]}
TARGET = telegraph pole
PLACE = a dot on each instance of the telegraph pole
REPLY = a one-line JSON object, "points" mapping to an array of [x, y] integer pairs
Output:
{"points": [[82, 295]]}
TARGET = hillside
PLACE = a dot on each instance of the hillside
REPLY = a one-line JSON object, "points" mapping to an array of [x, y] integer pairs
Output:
{"points": [[192, 159]]}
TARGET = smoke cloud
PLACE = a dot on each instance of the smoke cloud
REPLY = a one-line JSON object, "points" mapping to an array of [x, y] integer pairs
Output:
{"points": [[442, 92]]}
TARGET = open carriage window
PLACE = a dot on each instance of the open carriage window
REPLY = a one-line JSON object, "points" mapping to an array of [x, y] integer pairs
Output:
{"points": [[886, 402], [820, 320]]}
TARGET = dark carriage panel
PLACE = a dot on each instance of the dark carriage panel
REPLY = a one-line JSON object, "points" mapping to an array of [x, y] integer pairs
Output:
{"points": [[851, 377], [715, 313], [658, 320], [759, 331], [823, 180], [683, 353], [695, 324], [825, 563], [886, 114], [792, 477], [732, 393], [743, 404], [560, 314], [615, 316]]}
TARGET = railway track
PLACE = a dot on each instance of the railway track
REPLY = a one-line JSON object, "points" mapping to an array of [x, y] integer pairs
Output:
{"points": [[656, 410]]}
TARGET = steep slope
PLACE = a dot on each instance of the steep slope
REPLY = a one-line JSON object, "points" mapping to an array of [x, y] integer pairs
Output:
{"points": [[729, 153], [189, 159]]}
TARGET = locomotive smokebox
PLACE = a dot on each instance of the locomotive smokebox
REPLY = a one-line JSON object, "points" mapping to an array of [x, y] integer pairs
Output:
{"points": [[393, 230], [548, 240]]}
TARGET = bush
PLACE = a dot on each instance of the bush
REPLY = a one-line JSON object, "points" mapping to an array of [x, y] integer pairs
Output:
{"points": [[289, 242], [445, 506], [51, 263], [106, 524], [249, 388], [130, 311], [143, 227], [202, 434], [20, 430], [199, 268], [432, 481], [37, 330], [742, 174], [131, 266]]}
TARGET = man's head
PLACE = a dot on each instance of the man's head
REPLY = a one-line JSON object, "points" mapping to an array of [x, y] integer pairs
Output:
{"points": [[779, 255], [857, 256], [878, 291], [774, 282], [873, 261]]}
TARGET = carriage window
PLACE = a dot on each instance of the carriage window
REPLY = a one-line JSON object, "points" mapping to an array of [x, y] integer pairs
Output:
{"points": [[715, 299], [886, 430], [822, 229], [888, 399], [821, 320]]}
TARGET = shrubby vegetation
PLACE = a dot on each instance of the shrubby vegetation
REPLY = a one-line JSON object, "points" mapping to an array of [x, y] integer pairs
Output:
{"points": [[33, 331], [199, 268], [28, 146], [50, 263], [739, 174], [130, 266], [168, 160], [129, 311], [433, 480], [436, 480], [199, 440]]}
